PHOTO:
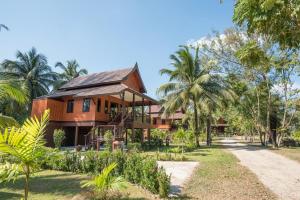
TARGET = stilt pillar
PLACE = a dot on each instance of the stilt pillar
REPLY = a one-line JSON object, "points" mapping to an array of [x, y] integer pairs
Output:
{"points": [[76, 135]]}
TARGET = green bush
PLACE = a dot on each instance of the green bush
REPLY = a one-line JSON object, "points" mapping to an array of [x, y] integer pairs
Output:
{"points": [[164, 183], [149, 178], [132, 170], [58, 137], [134, 167], [296, 136], [134, 146], [157, 137]]}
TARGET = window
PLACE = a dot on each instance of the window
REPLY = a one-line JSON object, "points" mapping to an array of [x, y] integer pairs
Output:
{"points": [[86, 105], [154, 121], [99, 105], [70, 106], [106, 107], [163, 121]]}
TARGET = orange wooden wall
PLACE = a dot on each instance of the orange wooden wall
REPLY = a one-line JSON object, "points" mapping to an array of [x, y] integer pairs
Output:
{"points": [[58, 108], [159, 124], [133, 82]]}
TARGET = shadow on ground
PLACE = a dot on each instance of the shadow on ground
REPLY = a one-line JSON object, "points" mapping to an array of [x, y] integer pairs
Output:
{"points": [[59, 184]]}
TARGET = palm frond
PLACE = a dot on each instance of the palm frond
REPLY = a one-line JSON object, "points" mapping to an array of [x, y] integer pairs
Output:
{"points": [[6, 121], [105, 181], [23, 142]]}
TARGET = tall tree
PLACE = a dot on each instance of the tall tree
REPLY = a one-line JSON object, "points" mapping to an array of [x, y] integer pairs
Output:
{"points": [[10, 91], [279, 19], [190, 80], [70, 71], [32, 71]]}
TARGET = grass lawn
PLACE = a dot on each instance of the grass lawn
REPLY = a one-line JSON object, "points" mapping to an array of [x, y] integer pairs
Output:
{"points": [[220, 176], [56, 185], [292, 152], [46, 185]]}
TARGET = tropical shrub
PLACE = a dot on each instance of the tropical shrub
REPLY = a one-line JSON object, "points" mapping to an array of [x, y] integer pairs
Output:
{"points": [[158, 136], [25, 146], [58, 137], [149, 173], [296, 136], [134, 146], [105, 183], [132, 169], [164, 183], [133, 166], [180, 137]]}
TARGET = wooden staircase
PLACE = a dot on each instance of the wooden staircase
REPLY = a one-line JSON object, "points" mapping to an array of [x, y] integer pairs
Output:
{"points": [[95, 137]]}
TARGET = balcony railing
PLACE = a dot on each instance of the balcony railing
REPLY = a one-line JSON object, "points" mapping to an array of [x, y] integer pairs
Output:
{"points": [[138, 117]]}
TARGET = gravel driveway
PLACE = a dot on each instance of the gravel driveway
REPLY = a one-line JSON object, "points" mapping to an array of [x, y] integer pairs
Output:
{"points": [[278, 173], [179, 171]]}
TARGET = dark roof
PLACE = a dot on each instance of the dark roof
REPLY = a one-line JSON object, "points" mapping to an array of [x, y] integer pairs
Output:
{"points": [[157, 111], [102, 78], [84, 92], [95, 91]]}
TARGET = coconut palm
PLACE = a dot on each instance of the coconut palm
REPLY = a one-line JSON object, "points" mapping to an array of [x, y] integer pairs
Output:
{"points": [[10, 92], [25, 146], [70, 71], [32, 71], [190, 81]]}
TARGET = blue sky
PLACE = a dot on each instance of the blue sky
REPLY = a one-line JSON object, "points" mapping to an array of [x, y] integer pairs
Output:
{"points": [[111, 34]]}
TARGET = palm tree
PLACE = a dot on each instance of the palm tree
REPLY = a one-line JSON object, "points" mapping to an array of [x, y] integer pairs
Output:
{"points": [[25, 146], [70, 71], [32, 71], [10, 91], [105, 182], [190, 82]]}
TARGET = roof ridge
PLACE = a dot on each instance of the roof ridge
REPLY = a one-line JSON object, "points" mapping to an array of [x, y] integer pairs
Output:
{"points": [[109, 71]]}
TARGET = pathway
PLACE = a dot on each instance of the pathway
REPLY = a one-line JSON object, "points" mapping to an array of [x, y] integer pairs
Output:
{"points": [[278, 173], [179, 171]]}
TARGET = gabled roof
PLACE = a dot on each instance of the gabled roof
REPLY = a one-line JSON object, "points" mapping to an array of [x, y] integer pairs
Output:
{"points": [[103, 78], [113, 89], [157, 111]]}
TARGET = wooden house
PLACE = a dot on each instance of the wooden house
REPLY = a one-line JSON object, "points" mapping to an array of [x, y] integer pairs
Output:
{"points": [[163, 122], [88, 106]]}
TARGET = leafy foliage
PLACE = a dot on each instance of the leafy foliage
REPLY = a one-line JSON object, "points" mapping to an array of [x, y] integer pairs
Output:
{"points": [[58, 137], [70, 71], [279, 19], [134, 167], [31, 71], [10, 91], [193, 84], [105, 182], [25, 145]]}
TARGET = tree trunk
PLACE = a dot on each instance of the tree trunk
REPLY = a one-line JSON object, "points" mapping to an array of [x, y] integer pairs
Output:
{"points": [[208, 130], [196, 133], [268, 130], [26, 187]]}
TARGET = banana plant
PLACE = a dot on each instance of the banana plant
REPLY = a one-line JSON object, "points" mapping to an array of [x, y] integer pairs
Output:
{"points": [[25, 146]]}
